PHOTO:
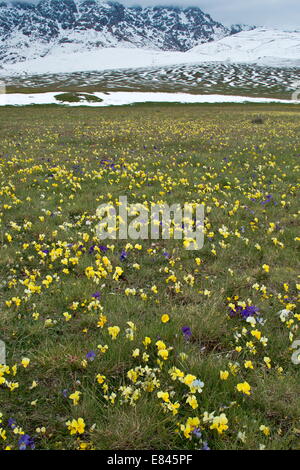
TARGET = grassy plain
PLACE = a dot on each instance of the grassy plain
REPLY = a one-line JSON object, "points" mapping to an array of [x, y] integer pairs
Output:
{"points": [[61, 292]]}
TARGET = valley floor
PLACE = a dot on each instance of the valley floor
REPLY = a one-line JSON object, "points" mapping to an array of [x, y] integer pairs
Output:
{"points": [[140, 344]]}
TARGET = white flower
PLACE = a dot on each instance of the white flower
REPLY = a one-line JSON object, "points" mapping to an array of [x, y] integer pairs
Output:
{"points": [[284, 314], [242, 436], [251, 320]]}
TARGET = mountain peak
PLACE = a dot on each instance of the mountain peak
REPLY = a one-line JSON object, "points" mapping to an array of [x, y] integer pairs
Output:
{"points": [[30, 30]]}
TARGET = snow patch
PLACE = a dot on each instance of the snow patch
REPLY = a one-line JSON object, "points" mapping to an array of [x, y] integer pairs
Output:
{"points": [[125, 98]]}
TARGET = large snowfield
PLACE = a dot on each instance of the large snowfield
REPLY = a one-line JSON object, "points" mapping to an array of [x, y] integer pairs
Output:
{"points": [[260, 46]]}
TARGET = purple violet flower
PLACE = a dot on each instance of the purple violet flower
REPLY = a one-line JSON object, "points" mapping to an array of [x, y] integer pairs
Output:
{"points": [[91, 355], [26, 441], [96, 295], [187, 332]]}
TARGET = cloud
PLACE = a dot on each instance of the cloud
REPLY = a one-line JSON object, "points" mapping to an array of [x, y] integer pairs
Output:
{"points": [[285, 13], [281, 13]]}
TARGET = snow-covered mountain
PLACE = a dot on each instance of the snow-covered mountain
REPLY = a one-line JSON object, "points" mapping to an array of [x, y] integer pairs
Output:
{"points": [[267, 47], [260, 45], [54, 36], [30, 30]]}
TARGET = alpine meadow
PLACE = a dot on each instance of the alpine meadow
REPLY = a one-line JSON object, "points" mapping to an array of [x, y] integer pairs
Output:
{"points": [[140, 342]]}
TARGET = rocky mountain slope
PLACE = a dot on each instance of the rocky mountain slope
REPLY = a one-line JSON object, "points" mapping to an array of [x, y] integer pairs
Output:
{"points": [[31, 30]]}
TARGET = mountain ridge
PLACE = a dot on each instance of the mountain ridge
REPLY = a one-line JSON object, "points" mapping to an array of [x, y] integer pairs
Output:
{"points": [[30, 30]]}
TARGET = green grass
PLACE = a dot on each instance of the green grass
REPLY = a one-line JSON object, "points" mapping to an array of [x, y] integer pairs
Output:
{"points": [[57, 165], [77, 98]]}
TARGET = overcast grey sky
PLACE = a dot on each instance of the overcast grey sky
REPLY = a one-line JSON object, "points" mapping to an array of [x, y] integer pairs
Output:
{"points": [[281, 13], [284, 13]]}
